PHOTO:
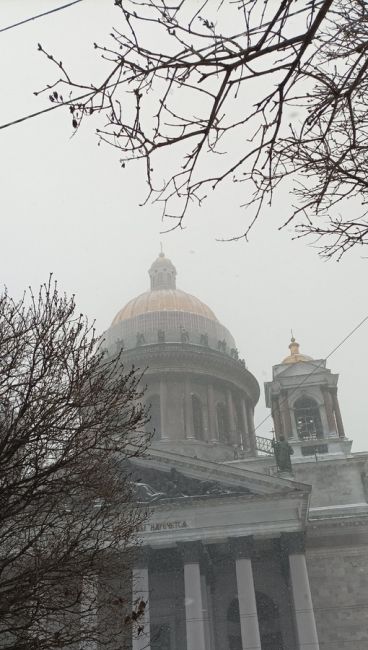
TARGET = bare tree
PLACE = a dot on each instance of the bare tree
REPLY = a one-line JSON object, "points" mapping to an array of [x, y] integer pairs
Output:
{"points": [[70, 420], [251, 91]]}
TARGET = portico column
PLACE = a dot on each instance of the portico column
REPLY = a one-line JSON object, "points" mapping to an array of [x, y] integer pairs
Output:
{"points": [[163, 408], [140, 592], [195, 627], [214, 436], [88, 613], [243, 549], [303, 606]]}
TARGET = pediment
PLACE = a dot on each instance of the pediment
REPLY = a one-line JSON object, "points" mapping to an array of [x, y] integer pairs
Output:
{"points": [[300, 368], [163, 475]]}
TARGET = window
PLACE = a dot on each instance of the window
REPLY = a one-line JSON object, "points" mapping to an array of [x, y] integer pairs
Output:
{"points": [[197, 417], [154, 425], [308, 419]]}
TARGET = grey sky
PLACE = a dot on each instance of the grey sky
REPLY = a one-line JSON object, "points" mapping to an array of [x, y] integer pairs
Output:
{"points": [[67, 207]]}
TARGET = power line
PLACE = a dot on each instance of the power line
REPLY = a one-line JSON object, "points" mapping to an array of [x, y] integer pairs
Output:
{"points": [[45, 13], [317, 367], [46, 110]]}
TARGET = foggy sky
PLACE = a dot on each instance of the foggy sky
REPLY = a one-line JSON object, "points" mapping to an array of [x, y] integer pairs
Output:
{"points": [[68, 208]]}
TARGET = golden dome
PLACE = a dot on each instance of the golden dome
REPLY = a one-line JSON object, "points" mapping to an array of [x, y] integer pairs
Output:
{"points": [[164, 300], [295, 356]]}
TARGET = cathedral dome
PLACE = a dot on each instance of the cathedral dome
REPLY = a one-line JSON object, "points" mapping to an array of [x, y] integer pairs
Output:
{"points": [[164, 300], [200, 393], [295, 355], [167, 314]]}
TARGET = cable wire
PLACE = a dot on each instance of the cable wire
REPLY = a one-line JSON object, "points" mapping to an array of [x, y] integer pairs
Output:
{"points": [[45, 13]]}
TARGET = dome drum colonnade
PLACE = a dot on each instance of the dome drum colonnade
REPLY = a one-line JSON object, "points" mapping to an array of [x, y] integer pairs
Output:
{"points": [[200, 392]]}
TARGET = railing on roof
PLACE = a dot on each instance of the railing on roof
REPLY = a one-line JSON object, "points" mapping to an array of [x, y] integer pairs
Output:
{"points": [[264, 445]]}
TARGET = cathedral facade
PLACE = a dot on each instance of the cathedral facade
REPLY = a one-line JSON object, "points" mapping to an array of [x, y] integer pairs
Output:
{"points": [[242, 551]]}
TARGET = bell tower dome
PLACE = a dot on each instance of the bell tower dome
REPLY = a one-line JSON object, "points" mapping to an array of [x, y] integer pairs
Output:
{"points": [[305, 408]]}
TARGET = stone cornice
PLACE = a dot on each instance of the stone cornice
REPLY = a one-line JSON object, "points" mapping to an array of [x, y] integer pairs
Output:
{"points": [[208, 470], [172, 358]]}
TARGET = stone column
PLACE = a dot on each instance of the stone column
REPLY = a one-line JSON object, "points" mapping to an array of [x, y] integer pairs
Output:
{"points": [[243, 550], [212, 415], [336, 406], [245, 425], [188, 410], [89, 613], [195, 625], [303, 607], [276, 415], [231, 416], [285, 415], [140, 591], [328, 408], [252, 434], [205, 424], [163, 409]]}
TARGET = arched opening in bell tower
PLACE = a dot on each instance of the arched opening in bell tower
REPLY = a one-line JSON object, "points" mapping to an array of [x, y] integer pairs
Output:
{"points": [[308, 419]]}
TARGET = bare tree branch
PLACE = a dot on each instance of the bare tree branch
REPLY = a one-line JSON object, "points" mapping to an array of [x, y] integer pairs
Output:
{"points": [[280, 96], [70, 420]]}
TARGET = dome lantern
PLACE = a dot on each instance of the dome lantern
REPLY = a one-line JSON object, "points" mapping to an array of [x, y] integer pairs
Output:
{"points": [[162, 273]]}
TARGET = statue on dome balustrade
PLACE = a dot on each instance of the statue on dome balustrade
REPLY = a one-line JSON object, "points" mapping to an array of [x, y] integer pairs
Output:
{"points": [[221, 345], [160, 336], [184, 335]]}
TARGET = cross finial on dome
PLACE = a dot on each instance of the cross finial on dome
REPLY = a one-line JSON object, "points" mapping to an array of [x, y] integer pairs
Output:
{"points": [[161, 254]]}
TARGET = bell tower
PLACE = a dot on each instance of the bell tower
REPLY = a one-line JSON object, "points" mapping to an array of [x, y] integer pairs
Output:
{"points": [[305, 408]]}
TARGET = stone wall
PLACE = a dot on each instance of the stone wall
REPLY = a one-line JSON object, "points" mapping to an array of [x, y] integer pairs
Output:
{"points": [[335, 482], [339, 584]]}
